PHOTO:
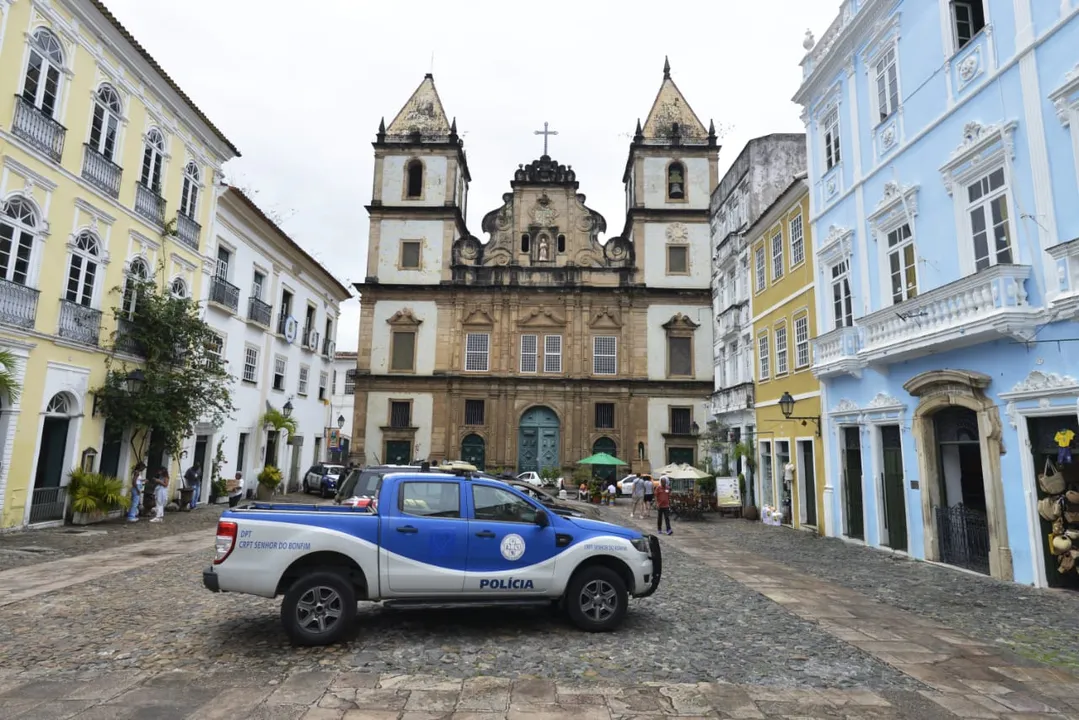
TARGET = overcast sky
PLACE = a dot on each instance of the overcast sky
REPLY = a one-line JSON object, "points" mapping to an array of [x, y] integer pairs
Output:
{"points": [[300, 89]]}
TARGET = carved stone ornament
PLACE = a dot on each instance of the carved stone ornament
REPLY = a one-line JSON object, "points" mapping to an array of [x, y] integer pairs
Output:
{"points": [[404, 316], [478, 316], [968, 66], [680, 321], [677, 233], [545, 318], [543, 213], [883, 400], [845, 407], [887, 138], [605, 319], [1038, 381]]}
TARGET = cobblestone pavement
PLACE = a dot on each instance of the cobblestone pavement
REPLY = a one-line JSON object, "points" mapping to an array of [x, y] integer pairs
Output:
{"points": [[1036, 624]]}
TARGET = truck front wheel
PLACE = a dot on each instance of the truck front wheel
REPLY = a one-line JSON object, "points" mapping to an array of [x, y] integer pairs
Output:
{"points": [[319, 608], [597, 599]]}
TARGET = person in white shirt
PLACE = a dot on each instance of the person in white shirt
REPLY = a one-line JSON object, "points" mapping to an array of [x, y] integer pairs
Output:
{"points": [[637, 492], [611, 491]]}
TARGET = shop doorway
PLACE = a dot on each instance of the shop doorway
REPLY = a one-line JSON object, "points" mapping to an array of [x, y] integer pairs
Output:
{"points": [[962, 521], [808, 477], [1043, 447], [893, 486], [852, 482]]}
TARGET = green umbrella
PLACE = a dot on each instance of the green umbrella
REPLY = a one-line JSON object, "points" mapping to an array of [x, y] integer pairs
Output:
{"points": [[601, 459]]}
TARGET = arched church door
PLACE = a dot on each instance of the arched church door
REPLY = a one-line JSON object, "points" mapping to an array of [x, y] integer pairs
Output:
{"points": [[538, 446], [606, 473], [474, 451]]}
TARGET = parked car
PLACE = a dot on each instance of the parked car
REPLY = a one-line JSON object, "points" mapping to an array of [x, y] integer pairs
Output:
{"points": [[532, 478], [625, 485], [566, 508], [322, 479]]}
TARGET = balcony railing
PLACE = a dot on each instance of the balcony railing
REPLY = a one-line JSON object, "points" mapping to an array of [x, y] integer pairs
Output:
{"points": [[329, 348], [734, 319], [733, 399], [38, 129], [18, 304], [259, 312], [79, 323], [836, 352], [101, 172], [125, 341], [149, 204], [188, 230], [224, 293]]}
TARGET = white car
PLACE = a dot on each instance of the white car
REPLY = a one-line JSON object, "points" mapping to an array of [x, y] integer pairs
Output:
{"points": [[532, 478]]}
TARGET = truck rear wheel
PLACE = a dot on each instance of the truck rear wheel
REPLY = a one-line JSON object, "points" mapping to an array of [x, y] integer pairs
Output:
{"points": [[597, 599], [319, 608]]}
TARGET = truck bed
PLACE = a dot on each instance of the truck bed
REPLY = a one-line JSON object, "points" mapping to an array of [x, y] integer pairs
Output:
{"points": [[302, 507]]}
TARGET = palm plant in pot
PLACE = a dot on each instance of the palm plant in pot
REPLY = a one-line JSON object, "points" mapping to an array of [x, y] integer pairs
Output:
{"points": [[269, 480], [95, 496]]}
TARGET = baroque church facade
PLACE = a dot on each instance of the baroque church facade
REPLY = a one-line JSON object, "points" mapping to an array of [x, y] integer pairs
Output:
{"points": [[536, 345]]}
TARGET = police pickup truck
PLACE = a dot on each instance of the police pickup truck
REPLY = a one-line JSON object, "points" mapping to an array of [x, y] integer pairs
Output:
{"points": [[430, 540]]}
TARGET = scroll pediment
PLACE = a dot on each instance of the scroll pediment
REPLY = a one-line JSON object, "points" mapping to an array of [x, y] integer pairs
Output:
{"points": [[478, 317], [680, 323], [404, 317], [542, 318], [604, 319]]}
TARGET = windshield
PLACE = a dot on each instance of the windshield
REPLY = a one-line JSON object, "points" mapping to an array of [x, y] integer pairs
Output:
{"points": [[333, 469], [362, 483]]}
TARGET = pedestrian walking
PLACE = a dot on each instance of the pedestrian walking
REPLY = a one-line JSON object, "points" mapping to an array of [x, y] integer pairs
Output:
{"points": [[637, 493], [193, 481], [235, 489], [138, 485], [663, 505], [649, 495], [161, 494]]}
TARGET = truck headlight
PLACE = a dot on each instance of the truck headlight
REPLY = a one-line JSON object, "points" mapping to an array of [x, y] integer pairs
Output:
{"points": [[641, 544]]}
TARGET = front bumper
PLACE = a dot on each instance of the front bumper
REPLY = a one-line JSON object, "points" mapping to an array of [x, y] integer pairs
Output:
{"points": [[209, 580], [657, 566]]}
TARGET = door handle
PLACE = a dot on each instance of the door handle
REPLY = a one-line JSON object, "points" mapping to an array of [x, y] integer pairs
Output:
{"points": [[485, 534], [407, 529]]}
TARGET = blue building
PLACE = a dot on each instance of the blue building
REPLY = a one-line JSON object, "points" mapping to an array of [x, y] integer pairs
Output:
{"points": [[943, 152]]}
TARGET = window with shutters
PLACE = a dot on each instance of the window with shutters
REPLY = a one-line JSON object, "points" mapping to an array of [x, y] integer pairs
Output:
{"points": [[842, 301], [279, 367], [801, 341], [403, 351], [529, 353], [902, 264], [305, 373], [350, 382], [777, 256], [105, 123], [474, 412], [18, 223], [605, 355], [764, 358], [798, 245], [552, 354], [681, 421], [153, 156], [887, 85], [758, 261], [400, 413], [830, 139], [968, 19], [251, 364], [604, 416], [41, 82], [323, 378], [82, 269], [781, 350], [477, 352]]}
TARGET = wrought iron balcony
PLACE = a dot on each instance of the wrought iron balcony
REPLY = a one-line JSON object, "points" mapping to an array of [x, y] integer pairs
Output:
{"points": [[18, 304], [38, 129], [188, 231], [733, 399], [79, 323], [259, 312], [125, 341], [224, 293], [101, 172], [329, 348], [149, 204]]}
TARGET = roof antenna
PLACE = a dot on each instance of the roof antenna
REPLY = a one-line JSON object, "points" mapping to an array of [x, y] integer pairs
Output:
{"points": [[432, 73]]}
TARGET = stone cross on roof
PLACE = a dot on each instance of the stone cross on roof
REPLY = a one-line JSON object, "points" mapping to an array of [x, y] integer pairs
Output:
{"points": [[545, 133]]}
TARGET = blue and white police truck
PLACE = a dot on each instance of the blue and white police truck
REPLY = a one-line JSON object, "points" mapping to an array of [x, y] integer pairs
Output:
{"points": [[430, 540]]}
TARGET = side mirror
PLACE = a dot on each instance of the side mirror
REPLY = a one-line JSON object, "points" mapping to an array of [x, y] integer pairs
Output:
{"points": [[542, 518]]}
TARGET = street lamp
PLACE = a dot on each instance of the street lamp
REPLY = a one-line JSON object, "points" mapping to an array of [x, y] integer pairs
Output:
{"points": [[287, 409], [786, 406], [340, 422], [135, 380]]}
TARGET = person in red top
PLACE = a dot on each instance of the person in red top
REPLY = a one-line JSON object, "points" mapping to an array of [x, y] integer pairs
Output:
{"points": [[663, 505]]}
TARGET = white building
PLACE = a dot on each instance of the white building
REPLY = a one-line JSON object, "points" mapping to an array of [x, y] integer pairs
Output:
{"points": [[342, 404], [275, 309]]}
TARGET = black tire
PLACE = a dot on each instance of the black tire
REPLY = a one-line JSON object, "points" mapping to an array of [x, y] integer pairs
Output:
{"points": [[304, 610], [592, 584], [306, 489], [323, 494]]}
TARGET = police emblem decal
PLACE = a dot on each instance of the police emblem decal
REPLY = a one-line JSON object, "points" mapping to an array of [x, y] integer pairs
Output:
{"points": [[513, 547]]}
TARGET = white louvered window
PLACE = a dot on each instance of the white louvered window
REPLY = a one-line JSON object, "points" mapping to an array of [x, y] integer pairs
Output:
{"points": [[605, 355], [798, 246], [763, 357], [801, 342], [552, 354], [758, 259], [305, 373], [777, 256], [781, 350], [529, 354], [477, 352], [251, 364]]}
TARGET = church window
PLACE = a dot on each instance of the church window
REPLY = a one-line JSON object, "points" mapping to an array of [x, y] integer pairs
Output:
{"points": [[410, 255], [528, 353], [552, 354], [526, 243], [561, 243], [400, 413], [677, 259], [676, 181], [474, 412], [679, 356], [604, 355], [681, 420], [477, 352], [414, 180], [604, 416], [403, 353]]}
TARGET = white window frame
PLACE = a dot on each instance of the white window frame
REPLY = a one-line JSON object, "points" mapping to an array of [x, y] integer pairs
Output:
{"points": [[759, 258], [88, 256], [898, 250], [178, 288], [954, 19], [801, 342], [251, 361], [474, 354], [217, 346], [303, 380], [984, 205], [842, 279], [782, 351], [886, 71], [552, 354], [531, 355], [258, 284], [18, 214], [153, 160], [600, 359], [323, 379], [797, 240], [109, 111], [223, 266], [280, 367], [777, 256], [764, 357], [192, 187], [52, 59], [831, 139]]}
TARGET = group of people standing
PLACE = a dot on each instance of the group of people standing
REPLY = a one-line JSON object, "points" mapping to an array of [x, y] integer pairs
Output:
{"points": [[647, 494], [159, 490]]}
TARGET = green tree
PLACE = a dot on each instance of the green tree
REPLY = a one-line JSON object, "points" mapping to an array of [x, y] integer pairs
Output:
{"points": [[8, 385], [183, 380], [277, 420]]}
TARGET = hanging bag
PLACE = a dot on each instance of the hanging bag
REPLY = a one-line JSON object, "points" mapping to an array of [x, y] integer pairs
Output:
{"points": [[1049, 509], [1051, 481]]}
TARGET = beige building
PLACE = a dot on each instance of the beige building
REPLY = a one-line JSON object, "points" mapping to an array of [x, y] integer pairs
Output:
{"points": [[539, 344]]}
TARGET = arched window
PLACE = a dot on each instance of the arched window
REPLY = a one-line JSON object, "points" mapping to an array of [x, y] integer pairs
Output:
{"points": [[189, 197], [106, 122], [152, 157], [526, 243], [81, 273], [41, 84], [18, 221], [58, 405], [414, 170], [561, 243], [676, 181], [137, 272], [178, 288]]}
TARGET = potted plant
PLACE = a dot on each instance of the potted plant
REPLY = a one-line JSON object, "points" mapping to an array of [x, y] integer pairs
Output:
{"points": [[595, 489], [269, 480], [96, 497]]}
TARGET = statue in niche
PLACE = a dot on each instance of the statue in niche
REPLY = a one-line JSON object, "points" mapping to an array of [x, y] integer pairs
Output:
{"points": [[543, 249]]}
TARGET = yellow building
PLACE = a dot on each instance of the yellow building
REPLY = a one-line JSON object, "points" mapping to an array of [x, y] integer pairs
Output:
{"points": [[790, 454], [106, 169]]}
